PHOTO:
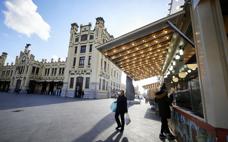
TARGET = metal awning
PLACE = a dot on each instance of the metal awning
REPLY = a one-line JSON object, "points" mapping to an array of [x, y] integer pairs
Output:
{"points": [[141, 53]]}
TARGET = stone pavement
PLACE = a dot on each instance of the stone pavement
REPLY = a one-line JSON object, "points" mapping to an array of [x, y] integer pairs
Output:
{"points": [[39, 118]]}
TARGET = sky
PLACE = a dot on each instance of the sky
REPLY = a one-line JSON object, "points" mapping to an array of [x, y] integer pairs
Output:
{"points": [[45, 24]]}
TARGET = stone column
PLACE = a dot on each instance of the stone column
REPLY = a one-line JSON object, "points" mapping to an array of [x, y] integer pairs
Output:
{"points": [[130, 91], [211, 47]]}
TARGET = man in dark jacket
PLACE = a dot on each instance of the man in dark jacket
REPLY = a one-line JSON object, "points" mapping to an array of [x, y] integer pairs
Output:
{"points": [[164, 102], [121, 109]]}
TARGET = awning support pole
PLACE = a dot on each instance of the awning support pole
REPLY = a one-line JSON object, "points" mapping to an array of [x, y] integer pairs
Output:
{"points": [[180, 33]]}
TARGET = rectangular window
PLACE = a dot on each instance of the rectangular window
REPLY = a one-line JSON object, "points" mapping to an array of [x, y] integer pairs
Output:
{"points": [[107, 85], [63, 70], [87, 82], [48, 71], [71, 82], [33, 70], [90, 47], [74, 61], [91, 37], [89, 61], [60, 71], [75, 49], [52, 71], [76, 39], [37, 71], [103, 85], [3, 73], [100, 85], [84, 37], [55, 70], [83, 49], [101, 63], [105, 66], [82, 61]]}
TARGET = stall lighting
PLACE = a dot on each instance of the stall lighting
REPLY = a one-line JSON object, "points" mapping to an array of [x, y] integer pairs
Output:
{"points": [[175, 79], [181, 51], [174, 63], [192, 66], [189, 71], [177, 57], [181, 43], [171, 68], [182, 74]]}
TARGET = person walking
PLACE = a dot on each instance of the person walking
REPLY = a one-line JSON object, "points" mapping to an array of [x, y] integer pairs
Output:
{"points": [[121, 109], [164, 102]]}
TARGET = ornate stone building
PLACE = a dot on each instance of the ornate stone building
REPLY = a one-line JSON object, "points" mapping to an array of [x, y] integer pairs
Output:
{"points": [[85, 69]]}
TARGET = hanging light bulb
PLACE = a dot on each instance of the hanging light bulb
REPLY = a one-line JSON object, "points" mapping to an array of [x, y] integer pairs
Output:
{"points": [[174, 63], [192, 66], [177, 57], [182, 74], [175, 79], [189, 71], [181, 51], [171, 68]]}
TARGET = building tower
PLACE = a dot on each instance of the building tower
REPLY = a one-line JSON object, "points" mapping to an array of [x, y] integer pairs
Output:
{"points": [[87, 69], [3, 58]]}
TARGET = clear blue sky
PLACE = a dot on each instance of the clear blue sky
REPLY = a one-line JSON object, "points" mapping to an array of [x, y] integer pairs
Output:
{"points": [[46, 23]]}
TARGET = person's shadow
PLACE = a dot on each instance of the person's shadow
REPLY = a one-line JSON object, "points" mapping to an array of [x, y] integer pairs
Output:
{"points": [[117, 139]]}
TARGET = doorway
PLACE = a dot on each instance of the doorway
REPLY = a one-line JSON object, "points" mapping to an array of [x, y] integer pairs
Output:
{"points": [[18, 86], [78, 87]]}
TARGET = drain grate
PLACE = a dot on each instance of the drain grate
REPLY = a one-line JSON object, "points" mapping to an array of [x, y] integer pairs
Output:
{"points": [[18, 110]]}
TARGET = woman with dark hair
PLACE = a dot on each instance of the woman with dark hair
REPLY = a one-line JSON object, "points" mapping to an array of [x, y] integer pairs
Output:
{"points": [[164, 102], [121, 109]]}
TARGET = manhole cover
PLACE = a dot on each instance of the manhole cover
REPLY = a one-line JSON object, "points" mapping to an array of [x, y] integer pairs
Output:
{"points": [[18, 110]]}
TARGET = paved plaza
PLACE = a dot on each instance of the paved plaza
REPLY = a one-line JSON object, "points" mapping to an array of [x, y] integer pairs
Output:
{"points": [[39, 118]]}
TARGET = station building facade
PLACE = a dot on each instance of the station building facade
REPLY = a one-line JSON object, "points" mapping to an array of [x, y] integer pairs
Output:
{"points": [[85, 69]]}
